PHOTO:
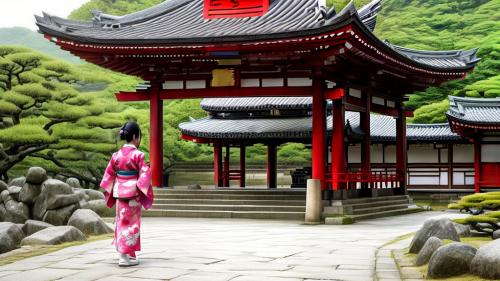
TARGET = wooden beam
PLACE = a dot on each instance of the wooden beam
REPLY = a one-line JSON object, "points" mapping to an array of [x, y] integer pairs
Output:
{"points": [[222, 92]]}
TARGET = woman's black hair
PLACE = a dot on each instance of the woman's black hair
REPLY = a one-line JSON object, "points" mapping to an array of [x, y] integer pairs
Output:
{"points": [[129, 130]]}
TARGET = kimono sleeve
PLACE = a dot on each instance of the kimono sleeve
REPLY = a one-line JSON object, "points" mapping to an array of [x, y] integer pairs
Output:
{"points": [[108, 181], [144, 182]]}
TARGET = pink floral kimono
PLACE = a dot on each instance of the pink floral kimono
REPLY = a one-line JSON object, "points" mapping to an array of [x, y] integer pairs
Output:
{"points": [[128, 170]]}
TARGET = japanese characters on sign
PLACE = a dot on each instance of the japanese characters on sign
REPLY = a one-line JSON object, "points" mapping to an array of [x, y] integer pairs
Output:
{"points": [[235, 8]]}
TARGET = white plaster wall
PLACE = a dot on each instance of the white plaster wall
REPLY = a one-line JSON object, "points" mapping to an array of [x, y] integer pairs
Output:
{"points": [[490, 153], [355, 154], [376, 153], [390, 154], [423, 154], [463, 153]]}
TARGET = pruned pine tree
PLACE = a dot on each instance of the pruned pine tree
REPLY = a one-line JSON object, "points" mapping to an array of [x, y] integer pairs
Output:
{"points": [[45, 116]]}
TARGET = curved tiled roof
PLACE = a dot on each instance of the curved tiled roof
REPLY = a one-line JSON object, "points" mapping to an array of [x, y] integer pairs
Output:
{"points": [[182, 22], [255, 104], [383, 129], [475, 110]]}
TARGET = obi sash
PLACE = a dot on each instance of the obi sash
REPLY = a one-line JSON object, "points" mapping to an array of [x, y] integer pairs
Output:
{"points": [[125, 186]]}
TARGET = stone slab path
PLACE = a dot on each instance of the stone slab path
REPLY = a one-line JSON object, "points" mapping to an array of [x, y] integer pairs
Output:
{"points": [[181, 249]]}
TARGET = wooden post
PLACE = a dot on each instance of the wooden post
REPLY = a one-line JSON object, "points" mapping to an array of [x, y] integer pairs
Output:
{"points": [[366, 144], [450, 165], [338, 143], [242, 166], [226, 180], [156, 135], [218, 172], [477, 165], [401, 153], [271, 166], [319, 133]]}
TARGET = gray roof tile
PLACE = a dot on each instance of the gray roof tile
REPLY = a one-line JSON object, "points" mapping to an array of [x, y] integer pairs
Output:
{"points": [[182, 22], [383, 129], [475, 110]]}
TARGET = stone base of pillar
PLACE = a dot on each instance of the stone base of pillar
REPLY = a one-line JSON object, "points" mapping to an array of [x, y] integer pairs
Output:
{"points": [[314, 205]]}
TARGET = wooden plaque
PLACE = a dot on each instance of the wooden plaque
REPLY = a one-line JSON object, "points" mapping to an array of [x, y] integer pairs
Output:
{"points": [[235, 8]]}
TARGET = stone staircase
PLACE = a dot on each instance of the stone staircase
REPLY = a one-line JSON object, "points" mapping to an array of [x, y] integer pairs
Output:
{"points": [[229, 203], [370, 208]]}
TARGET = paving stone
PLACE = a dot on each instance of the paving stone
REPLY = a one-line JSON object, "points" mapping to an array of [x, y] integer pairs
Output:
{"points": [[188, 249], [157, 273], [40, 274], [206, 276]]}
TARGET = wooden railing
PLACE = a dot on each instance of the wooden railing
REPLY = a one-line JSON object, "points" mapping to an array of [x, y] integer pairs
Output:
{"points": [[372, 179]]}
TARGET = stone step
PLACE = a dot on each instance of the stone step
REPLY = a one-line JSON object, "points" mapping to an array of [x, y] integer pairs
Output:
{"points": [[216, 196], [365, 209], [232, 191], [232, 202], [226, 214], [379, 209], [229, 208], [379, 204], [369, 200], [389, 213]]}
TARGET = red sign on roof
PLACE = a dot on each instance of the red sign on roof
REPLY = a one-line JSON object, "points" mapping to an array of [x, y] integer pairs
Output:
{"points": [[235, 8]]}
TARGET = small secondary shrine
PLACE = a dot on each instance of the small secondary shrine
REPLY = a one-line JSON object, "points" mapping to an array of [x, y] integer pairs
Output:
{"points": [[440, 157], [279, 48]]}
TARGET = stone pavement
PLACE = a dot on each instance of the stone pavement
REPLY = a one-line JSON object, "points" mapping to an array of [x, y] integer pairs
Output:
{"points": [[181, 249]]}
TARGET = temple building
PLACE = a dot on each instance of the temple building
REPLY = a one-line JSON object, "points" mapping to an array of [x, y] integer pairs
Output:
{"points": [[440, 157], [272, 48]]}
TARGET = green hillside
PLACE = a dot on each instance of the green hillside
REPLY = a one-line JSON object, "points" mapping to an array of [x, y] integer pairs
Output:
{"points": [[21, 36]]}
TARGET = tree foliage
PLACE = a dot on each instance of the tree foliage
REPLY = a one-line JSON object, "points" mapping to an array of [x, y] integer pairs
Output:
{"points": [[45, 117]]}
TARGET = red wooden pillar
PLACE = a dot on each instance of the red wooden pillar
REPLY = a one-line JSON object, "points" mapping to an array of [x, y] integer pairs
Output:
{"points": [[401, 153], [156, 135], [218, 173], [477, 165], [242, 166], [338, 144], [366, 144], [272, 166], [319, 133], [226, 181]]}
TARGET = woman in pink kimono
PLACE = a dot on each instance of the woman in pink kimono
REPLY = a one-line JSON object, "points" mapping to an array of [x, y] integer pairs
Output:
{"points": [[127, 183]]}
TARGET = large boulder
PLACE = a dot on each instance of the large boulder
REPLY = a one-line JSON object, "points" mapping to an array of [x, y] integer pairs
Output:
{"points": [[59, 216], [49, 193], [16, 212], [3, 186], [427, 250], [14, 191], [440, 228], [486, 263], [496, 234], [462, 230], [451, 260], [33, 226], [54, 235], [18, 181], [5, 196], [88, 222], [36, 175], [98, 206], [3, 211], [94, 194], [29, 192], [61, 201], [10, 236], [73, 182]]}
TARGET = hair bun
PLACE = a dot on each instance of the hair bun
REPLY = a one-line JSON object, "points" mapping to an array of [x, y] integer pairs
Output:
{"points": [[123, 134]]}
